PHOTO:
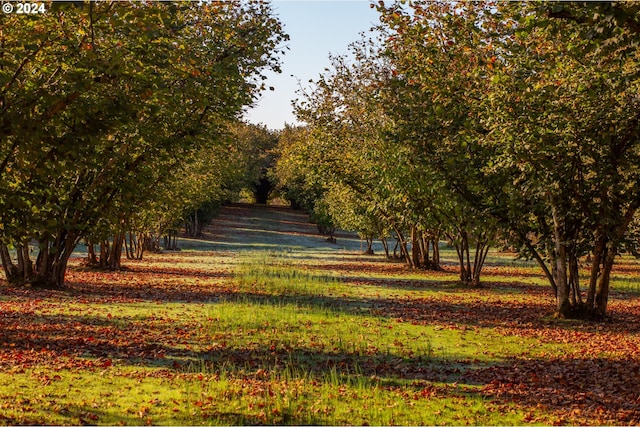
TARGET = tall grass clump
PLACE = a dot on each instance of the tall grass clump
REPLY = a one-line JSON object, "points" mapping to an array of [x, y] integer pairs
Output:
{"points": [[272, 273]]}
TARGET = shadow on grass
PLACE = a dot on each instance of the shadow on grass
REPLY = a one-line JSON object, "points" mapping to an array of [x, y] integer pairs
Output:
{"points": [[455, 305], [60, 339], [603, 390], [372, 367], [449, 309], [156, 271], [442, 282], [79, 414], [600, 387], [450, 312]]}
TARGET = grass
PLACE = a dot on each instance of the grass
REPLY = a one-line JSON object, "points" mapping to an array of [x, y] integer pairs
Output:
{"points": [[287, 346], [299, 336], [323, 312]]}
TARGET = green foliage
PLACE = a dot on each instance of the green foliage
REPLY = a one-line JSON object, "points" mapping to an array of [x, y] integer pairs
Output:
{"points": [[256, 144], [481, 120], [536, 128], [575, 160], [193, 190], [381, 166], [102, 102], [352, 213], [292, 171]]}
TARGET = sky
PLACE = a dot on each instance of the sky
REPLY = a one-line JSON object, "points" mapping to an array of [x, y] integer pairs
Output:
{"points": [[316, 29]]}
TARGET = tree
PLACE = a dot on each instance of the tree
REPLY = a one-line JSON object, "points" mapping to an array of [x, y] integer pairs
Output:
{"points": [[289, 172], [573, 103], [95, 97], [530, 113], [297, 177], [351, 212], [344, 149], [256, 143], [362, 149], [437, 52]]}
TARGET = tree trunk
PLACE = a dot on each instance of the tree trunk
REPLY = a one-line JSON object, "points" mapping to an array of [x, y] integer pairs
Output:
{"points": [[460, 247], [574, 279], [170, 241], [369, 240], [140, 247], [196, 225], [469, 273], [415, 247], [385, 245], [482, 249], [10, 270], [103, 259], [563, 304], [25, 258], [598, 250], [548, 274], [465, 243], [151, 242], [436, 254], [135, 245], [424, 246], [92, 258], [403, 248], [51, 262], [115, 255], [110, 257], [608, 256], [128, 245], [602, 294]]}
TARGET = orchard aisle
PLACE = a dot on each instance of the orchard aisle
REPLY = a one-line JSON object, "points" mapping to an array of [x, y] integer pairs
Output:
{"points": [[241, 227]]}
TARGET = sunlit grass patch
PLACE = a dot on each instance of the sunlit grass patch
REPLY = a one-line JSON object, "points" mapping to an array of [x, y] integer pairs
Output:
{"points": [[227, 394], [42, 395], [286, 308], [271, 273], [626, 275], [337, 399]]}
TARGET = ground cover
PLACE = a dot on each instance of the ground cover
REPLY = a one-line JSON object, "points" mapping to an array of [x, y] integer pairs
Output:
{"points": [[263, 322]]}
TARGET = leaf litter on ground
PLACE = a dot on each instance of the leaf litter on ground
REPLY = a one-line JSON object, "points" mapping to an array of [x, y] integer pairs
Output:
{"points": [[370, 331]]}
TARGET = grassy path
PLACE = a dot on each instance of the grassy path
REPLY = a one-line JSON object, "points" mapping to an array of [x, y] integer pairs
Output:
{"points": [[264, 322]]}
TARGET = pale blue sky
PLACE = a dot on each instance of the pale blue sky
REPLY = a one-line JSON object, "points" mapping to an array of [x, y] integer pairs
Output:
{"points": [[316, 28]]}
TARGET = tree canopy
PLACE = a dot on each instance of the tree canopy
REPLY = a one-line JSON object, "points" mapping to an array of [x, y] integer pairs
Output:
{"points": [[481, 121], [102, 101]]}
